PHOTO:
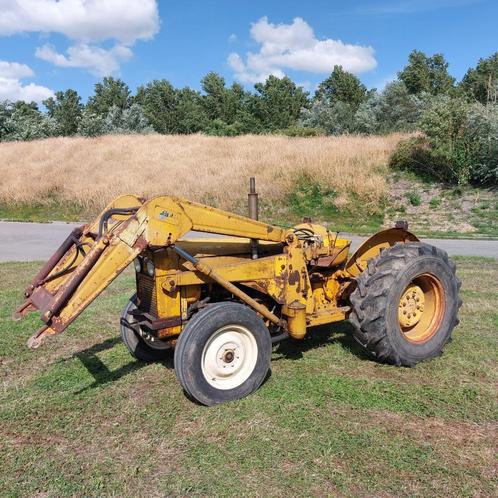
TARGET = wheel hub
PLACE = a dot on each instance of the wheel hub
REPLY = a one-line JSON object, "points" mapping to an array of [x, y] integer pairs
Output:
{"points": [[229, 357], [411, 306]]}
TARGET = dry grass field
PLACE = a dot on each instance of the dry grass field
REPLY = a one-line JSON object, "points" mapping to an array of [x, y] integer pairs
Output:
{"points": [[89, 172]]}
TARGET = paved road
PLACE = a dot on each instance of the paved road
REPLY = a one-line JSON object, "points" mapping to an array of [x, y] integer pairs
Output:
{"points": [[37, 241]]}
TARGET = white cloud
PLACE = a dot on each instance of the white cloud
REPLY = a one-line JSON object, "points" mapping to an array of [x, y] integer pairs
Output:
{"points": [[15, 70], [295, 46], [87, 23], [87, 20], [12, 88], [97, 60]]}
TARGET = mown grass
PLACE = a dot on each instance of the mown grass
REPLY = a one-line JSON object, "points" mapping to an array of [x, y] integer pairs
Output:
{"points": [[80, 417], [41, 213]]}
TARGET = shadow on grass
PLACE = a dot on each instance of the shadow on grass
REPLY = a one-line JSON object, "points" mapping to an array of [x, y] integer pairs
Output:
{"points": [[338, 333], [101, 374]]}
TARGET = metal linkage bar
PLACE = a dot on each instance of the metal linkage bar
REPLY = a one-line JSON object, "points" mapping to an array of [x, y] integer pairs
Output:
{"points": [[211, 273]]}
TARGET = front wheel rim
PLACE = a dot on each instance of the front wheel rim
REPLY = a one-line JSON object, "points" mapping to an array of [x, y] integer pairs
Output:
{"points": [[421, 308], [229, 357]]}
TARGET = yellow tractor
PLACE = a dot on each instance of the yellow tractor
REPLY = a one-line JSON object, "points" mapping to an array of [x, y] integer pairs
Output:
{"points": [[220, 303]]}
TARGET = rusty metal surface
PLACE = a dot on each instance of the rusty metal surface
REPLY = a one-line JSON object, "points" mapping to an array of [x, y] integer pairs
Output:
{"points": [[146, 293], [54, 259], [67, 289], [299, 272]]}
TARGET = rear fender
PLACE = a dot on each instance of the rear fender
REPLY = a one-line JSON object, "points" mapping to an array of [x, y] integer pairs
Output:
{"points": [[357, 263]]}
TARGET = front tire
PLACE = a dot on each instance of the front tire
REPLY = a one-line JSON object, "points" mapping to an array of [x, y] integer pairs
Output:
{"points": [[223, 354], [405, 304], [138, 346]]}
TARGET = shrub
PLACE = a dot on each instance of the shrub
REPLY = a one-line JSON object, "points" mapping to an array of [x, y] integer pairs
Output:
{"points": [[481, 134], [130, 120], [393, 109], [335, 118], [21, 121], [414, 198], [218, 128], [444, 126], [309, 196], [435, 202], [460, 143], [91, 124], [415, 154], [303, 131]]}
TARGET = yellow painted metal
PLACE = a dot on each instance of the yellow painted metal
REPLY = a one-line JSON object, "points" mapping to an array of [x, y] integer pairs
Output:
{"points": [[301, 273], [423, 301], [261, 309], [328, 315], [411, 306], [296, 319], [88, 238], [169, 218], [372, 247]]}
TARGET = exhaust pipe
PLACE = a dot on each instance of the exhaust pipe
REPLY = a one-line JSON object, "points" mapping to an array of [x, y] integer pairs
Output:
{"points": [[252, 198]]}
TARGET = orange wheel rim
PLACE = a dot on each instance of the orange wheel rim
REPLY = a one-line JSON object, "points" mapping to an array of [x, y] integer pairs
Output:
{"points": [[421, 308]]}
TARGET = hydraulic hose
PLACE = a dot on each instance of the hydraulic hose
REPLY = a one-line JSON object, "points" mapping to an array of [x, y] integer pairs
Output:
{"points": [[111, 212]]}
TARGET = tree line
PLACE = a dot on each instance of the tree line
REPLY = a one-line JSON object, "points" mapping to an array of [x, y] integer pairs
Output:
{"points": [[424, 96]]}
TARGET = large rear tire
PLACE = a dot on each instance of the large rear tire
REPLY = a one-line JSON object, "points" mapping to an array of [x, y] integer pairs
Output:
{"points": [[138, 345], [223, 354], [405, 305]]}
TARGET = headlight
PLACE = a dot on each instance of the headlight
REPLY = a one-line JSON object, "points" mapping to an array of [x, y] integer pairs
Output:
{"points": [[138, 265], [149, 267]]}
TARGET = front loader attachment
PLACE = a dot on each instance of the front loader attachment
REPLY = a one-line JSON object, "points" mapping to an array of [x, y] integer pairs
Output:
{"points": [[94, 255], [89, 259]]}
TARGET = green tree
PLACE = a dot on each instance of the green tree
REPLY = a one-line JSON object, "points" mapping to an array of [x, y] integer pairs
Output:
{"points": [[222, 103], [426, 74], [24, 121], [190, 114], [247, 118], [481, 134], [335, 118], [481, 83], [342, 86], [5, 113], [215, 97], [91, 124], [279, 103], [393, 109], [159, 101], [66, 109], [124, 121], [108, 93], [460, 143]]}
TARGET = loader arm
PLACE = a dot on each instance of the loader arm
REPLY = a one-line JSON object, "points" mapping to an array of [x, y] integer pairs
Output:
{"points": [[95, 254]]}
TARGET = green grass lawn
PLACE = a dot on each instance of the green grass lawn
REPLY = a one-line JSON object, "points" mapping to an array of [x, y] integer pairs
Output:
{"points": [[80, 417]]}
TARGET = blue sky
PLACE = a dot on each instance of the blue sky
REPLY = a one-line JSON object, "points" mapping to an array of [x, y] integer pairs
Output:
{"points": [[47, 45]]}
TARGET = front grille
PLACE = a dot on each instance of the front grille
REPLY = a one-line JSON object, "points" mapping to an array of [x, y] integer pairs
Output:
{"points": [[146, 292]]}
